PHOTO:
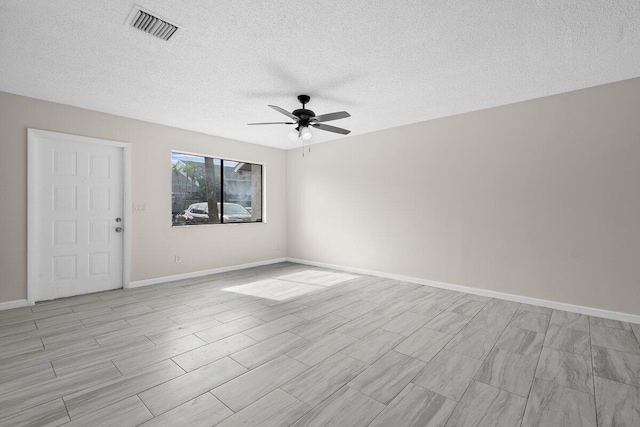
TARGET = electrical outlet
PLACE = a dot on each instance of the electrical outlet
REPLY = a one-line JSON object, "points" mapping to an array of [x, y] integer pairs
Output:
{"points": [[178, 258]]}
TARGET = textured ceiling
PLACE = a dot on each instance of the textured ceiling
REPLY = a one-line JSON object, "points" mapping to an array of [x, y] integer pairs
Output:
{"points": [[388, 63]]}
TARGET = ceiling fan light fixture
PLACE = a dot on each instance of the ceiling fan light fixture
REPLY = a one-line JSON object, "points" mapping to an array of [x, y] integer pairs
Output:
{"points": [[306, 134], [293, 135]]}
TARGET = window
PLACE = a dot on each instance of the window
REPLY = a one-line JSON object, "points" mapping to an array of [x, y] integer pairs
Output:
{"points": [[206, 190]]}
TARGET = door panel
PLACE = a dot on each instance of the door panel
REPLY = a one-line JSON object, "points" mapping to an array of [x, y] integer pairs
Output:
{"points": [[79, 194]]}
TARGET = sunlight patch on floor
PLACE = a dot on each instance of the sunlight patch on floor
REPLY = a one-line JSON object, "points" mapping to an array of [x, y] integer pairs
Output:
{"points": [[318, 277], [291, 285], [274, 289]]}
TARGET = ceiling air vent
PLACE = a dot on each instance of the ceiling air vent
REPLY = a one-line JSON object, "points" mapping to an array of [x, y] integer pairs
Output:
{"points": [[145, 21]]}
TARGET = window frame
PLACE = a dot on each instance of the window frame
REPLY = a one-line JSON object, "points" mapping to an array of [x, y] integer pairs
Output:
{"points": [[222, 202]]}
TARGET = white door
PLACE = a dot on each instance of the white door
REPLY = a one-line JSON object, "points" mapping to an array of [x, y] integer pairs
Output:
{"points": [[76, 225]]}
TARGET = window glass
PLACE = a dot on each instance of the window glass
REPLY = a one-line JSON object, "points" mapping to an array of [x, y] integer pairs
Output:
{"points": [[200, 184]]}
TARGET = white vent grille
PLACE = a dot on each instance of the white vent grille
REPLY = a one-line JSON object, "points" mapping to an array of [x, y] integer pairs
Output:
{"points": [[153, 25]]}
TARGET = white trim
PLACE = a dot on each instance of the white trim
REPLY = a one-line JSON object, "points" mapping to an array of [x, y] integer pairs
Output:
{"points": [[607, 314], [13, 304], [200, 273], [32, 169]]}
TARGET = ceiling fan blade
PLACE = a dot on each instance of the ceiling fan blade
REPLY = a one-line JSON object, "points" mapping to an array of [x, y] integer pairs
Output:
{"points": [[331, 116], [330, 128], [273, 123], [283, 111]]}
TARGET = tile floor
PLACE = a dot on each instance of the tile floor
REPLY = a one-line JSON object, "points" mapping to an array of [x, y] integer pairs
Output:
{"points": [[289, 344]]}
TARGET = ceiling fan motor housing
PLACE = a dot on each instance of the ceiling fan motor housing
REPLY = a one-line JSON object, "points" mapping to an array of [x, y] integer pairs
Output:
{"points": [[302, 113]]}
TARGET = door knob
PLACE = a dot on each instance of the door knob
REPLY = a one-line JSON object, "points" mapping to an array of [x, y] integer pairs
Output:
{"points": [[118, 229]]}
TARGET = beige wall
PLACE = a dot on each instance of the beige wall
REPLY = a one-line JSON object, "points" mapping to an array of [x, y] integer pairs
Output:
{"points": [[154, 241], [540, 199]]}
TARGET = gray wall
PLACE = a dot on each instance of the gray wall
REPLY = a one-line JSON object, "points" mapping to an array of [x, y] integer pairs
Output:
{"points": [[154, 242], [539, 198]]}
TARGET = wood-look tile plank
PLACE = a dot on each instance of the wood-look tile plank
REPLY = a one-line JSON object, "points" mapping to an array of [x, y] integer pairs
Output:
{"points": [[105, 393], [139, 331], [227, 329], [476, 343], [609, 323], [636, 331], [535, 309], [616, 339], [554, 405], [521, 341], [347, 407], [264, 351], [616, 404], [508, 371], [66, 338], [373, 346], [241, 311], [387, 376], [50, 414], [423, 344], [363, 325], [273, 328], [206, 354], [316, 328], [277, 408], [565, 319], [155, 315], [392, 308], [466, 307], [183, 388], [275, 312], [202, 411], [566, 369], [247, 388], [325, 308], [313, 352], [324, 379], [40, 333], [406, 323], [569, 340], [530, 321], [37, 357], [55, 388], [416, 407], [198, 315], [17, 328], [93, 356], [486, 406], [490, 320], [129, 412], [20, 348], [501, 307], [179, 331], [448, 374], [16, 380], [355, 310], [139, 360], [617, 365]]}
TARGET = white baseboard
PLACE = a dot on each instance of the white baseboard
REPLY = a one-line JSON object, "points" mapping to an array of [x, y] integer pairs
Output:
{"points": [[200, 273], [13, 304], [597, 312]]}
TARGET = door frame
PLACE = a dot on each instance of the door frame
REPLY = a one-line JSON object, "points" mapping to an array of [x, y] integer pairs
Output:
{"points": [[34, 138]]}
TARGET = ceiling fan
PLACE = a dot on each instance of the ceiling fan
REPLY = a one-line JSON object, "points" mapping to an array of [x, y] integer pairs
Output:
{"points": [[304, 118]]}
